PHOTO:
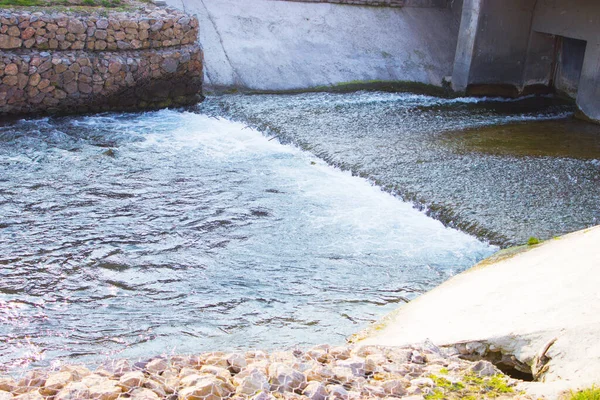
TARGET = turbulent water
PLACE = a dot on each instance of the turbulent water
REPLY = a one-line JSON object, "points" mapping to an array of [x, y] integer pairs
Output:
{"points": [[137, 234], [503, 170], [131, 235]]}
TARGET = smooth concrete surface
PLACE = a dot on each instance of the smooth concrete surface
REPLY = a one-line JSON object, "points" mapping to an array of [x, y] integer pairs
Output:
{"points": [[271, 45], [520, 305]]}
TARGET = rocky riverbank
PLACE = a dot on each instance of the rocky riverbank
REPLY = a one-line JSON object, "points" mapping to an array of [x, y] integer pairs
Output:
{"points": [[320, 373]]}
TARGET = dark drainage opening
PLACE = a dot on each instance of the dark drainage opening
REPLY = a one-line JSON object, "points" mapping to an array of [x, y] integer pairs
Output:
{"points": [[508, 364], [515, 373]]}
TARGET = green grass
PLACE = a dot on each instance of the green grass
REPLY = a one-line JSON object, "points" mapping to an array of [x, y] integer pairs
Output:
{"points": [[471, 387], [592, 393]]}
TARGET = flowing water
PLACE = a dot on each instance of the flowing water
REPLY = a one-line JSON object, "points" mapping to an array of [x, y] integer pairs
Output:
{"points": [[503, 170], [131, 235]]}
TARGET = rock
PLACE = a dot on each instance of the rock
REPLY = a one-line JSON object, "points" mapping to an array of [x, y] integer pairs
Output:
{"points": [[264, 396], [220, 373], [78, 371], [133, 379], [339, 353], [252, 383], [158, 365], [5, 395], [484, 368], [55, 383], [102, 24], [32, 379], [356, 365], [284, 378], [7, 384], [107, 390], [143, 394], [11, 69], [206, 389], [420, 382], [343, 375], [156, 387], [373, 391], [315, 391], [73, 391], [191, 380], [318, 353], [337, 392], [217, 360], [9, 42], [170, 65], [417, 358], [93, 380], [373, 361], [236, 362], [363, 351], [30, 396], [75, 26], [395, 387], [320, 373]]}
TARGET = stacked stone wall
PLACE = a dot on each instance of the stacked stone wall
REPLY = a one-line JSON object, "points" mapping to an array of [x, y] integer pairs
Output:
{"points": [[122, 31], [77, 63], [383, 3]]}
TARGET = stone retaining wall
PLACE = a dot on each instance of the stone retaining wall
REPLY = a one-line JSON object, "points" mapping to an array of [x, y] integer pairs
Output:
{"points": [[383, 3], [122, 31], [78, 63]]}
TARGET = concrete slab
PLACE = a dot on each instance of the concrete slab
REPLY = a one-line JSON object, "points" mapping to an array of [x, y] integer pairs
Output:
{"points": [[279, 45], [541, 305]]}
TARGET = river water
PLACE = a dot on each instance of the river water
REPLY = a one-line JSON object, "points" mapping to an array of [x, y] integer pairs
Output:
{"points": [[131, 235]]}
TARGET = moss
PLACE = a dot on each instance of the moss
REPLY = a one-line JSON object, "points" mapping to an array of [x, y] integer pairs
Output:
{"points": [[592, 393], [471, 387], [533, 241]]}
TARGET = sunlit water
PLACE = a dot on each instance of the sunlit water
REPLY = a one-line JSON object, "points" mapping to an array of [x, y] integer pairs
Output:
{"points": [[503, 170], [131, 235]]}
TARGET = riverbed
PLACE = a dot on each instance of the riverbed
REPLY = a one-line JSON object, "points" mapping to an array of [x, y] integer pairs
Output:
{"points": [[259, 221]]}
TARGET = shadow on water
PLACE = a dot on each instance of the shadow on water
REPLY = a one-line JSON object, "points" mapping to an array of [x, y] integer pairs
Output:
{"points": [[567, 138]]}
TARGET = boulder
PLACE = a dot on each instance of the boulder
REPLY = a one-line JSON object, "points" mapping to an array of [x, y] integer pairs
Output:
{"points": [[56, 382], [315, 391], [252, 383], [284, 378], [73, 391], [107, 390], [131, 380]]}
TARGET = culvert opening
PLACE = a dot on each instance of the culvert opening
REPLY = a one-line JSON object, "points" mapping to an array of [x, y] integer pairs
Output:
{"points": [[506, 363], [514, 373]]}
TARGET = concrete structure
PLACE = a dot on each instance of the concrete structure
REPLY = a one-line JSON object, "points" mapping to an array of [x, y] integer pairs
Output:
{"points": [[487, 47], [515, 47], [266, 45], [541, 307]]}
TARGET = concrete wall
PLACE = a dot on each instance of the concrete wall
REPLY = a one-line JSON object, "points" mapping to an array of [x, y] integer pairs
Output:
{"points": [[513, 47], [577, 19], [282, 45], [493, 45], [66, 62]]}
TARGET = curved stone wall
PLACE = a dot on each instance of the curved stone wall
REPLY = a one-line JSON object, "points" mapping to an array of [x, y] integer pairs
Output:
{"points": [[75, 63]]}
